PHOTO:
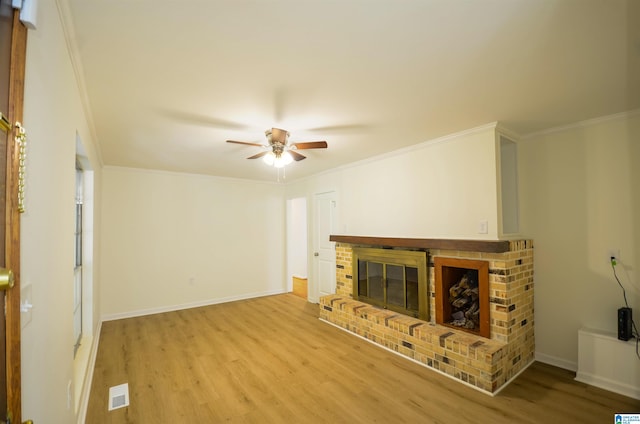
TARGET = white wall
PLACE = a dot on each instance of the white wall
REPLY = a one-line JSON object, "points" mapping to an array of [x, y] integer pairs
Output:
{"points": [[440, 189], [176, 240], [580, 197], [53, 115]]}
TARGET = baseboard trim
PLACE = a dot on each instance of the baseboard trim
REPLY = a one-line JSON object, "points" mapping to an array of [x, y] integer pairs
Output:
{"points": [[486, 392], [506, 383], [607, 384], [171, 308], [88, 379], [556, 362]]}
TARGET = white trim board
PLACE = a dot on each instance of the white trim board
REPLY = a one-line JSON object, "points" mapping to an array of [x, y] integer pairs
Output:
{"points": [[190, 174], [581, 124], [506, 383], [608, 384], [88, 378], [556, 362], [171, 308]]}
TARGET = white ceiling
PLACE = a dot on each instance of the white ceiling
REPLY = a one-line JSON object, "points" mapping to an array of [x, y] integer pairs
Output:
{"points": [[169, 81]]}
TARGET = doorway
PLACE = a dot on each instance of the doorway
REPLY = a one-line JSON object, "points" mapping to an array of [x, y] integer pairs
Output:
{"points": [[297, 239]]}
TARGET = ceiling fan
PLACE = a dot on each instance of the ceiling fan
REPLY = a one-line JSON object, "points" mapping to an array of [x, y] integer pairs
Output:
{"points": [[279, 152]]}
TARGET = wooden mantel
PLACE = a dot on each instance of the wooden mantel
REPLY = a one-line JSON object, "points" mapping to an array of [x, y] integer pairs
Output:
{"points": [[489, 246]]}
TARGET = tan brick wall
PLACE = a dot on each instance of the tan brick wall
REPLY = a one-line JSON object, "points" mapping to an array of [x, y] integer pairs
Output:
{"points": [[344, 284], [484, 363]]}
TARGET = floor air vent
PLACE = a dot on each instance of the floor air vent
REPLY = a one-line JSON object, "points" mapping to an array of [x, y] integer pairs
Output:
{"points": [[118, 396]]}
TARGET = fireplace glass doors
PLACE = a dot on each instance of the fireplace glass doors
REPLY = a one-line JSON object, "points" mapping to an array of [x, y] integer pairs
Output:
{"points": [[392, 279]]}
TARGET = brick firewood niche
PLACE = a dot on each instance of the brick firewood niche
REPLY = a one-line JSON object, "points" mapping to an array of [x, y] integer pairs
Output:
{"points": [[486, 360]]}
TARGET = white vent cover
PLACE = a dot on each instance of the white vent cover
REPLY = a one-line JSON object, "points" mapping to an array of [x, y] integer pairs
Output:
{"points": [[118, 396]]}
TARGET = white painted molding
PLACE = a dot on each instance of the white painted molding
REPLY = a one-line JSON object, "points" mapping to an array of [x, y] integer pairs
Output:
{"points": [[171, 308], [68, 29], [608, 384], [511, 135], [556, 362], [582, 124], [189, 174], [88, 378], [486, 392], [506, 383]]}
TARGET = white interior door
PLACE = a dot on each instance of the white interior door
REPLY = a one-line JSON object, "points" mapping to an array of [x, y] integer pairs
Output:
{"points": [[324, 250]]}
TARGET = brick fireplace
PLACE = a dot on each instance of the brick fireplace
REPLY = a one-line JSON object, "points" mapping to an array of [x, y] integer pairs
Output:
{"points": [[487, 359]]}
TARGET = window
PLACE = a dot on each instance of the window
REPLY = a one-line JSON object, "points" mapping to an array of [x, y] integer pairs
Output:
{"points": [[77, 279]]}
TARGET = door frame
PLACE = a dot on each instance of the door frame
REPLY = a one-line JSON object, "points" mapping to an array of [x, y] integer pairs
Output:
{"points": [[12, 219], [297, 240]]}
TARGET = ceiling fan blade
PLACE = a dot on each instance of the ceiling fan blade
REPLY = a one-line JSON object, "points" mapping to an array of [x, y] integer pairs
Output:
{"points": [[202, 120], [258, 155], [310, 145], [244, 142], [340, 128], [297, 156]]}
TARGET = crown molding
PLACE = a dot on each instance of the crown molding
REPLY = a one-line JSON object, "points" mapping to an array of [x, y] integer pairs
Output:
{"points": [[68, 29], [582, 124]]}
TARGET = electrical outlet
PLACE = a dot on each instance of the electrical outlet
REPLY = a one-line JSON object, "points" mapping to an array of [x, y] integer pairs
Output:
{"points": [[26, 305], [613, 253]]}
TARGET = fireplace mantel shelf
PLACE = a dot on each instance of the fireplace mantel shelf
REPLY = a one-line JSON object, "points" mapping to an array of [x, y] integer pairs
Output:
{"points": [[489, 246]]}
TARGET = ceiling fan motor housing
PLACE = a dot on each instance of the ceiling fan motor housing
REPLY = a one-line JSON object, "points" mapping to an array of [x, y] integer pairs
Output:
{"points": [[277, 136]]}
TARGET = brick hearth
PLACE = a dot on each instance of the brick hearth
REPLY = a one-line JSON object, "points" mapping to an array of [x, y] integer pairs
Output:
{"points": [[484, 363]]}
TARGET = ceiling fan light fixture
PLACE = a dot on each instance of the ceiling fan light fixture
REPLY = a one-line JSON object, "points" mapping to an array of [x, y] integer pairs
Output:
{"points": [[269, 159], [287, 158], [282, 160], [277, 160]]}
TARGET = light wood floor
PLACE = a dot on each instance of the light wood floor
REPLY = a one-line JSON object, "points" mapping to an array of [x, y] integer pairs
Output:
{"points": [[270, 360]]}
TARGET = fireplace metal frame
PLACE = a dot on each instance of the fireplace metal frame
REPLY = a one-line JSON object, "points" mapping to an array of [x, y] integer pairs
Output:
{"points": [[406, 258]]}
